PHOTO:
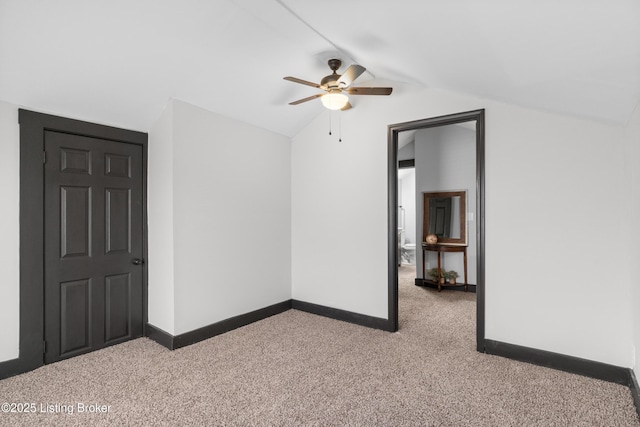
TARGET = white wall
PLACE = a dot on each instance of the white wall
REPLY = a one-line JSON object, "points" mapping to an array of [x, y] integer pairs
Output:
{"points": [[632, 206], [446, 161], [161, 222], [231, 217], [550, 182], [9, 231], [339, 230]]}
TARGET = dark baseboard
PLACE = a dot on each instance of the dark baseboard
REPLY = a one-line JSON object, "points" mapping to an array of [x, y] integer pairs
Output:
{"points": [[635, 391], [24, 362], [163, 338], [12, 367], [571, 364], [434, 285], [174, 342], [345, 316]]}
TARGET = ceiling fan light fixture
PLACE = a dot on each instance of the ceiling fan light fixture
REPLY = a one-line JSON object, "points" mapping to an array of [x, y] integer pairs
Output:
{"points": [[334, 100], [336, 85]]}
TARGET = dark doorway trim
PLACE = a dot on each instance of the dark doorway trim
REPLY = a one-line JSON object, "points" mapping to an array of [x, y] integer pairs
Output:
{"points": [[32, 128], [393, 165]]}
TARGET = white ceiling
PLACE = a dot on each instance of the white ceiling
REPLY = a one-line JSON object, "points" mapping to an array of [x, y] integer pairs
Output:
{"points": [[119, 61]]}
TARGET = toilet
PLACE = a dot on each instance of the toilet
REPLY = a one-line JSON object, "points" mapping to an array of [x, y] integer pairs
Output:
{"points": [[410, 249], [407, 250]]}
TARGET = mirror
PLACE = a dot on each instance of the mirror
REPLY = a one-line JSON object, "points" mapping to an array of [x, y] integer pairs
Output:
{"points": [[445, 216]]}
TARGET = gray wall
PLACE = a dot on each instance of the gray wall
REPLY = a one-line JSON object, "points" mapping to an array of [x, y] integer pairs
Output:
{"points": [[446, 161]]}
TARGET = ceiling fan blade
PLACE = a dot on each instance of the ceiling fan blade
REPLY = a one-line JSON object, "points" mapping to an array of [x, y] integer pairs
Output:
{"points": [[369, 90], [347, 107], [303, 82], [308, 98], [350, 74]]}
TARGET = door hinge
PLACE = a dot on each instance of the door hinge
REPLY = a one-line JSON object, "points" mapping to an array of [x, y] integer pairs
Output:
{"points": [[44, 347], [44, 157]]}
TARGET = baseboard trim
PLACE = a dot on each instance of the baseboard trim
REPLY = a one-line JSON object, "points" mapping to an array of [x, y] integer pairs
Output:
{"points": [[426, 284], [173, 342], [338, 314], [635, 391], [561, 362], [163, 338], [10, 368]]}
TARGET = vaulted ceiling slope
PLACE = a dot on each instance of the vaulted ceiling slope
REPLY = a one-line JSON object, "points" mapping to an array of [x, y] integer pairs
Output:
{"points": [[119, 61]]}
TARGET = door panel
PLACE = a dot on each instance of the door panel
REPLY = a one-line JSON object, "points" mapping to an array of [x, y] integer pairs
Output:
{"points": [[75, 319], [118, 318], [118, 228], [118, 165], [93, 231], [117, 312], [75, 217], [75, 161]]}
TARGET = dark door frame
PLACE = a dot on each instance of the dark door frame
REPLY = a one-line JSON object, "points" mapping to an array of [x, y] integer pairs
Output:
{"points": [[32, 128], [393, 130]]}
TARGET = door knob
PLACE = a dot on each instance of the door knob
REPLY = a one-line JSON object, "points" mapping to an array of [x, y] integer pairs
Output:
{"points": [[137, 261]]}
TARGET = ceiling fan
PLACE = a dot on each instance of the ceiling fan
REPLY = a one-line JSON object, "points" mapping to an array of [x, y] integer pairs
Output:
{"points": [[335, 86]]}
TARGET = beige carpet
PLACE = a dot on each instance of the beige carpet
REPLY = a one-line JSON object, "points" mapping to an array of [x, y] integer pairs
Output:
{"points": [[298, 369]]}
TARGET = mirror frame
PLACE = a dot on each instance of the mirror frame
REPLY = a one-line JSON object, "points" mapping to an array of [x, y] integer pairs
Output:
{"points": [[459, 241]]}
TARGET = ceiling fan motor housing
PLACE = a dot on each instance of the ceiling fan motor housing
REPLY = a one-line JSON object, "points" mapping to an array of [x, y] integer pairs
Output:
{"points": [[334, 64], [331, 81]]}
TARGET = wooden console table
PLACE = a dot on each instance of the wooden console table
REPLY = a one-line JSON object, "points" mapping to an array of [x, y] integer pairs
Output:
{"points": [[444, 248]]}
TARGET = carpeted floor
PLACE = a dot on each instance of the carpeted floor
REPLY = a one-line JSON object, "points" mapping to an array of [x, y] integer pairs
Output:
{"points": [[298, 369]]}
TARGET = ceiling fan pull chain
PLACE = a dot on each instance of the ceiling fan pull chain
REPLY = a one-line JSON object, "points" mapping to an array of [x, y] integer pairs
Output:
{"points": [[339, 126], [330, 112]]}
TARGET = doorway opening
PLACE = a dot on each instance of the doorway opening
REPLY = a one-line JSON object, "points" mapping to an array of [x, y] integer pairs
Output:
{"points": [[407, 255], [473, 119]]}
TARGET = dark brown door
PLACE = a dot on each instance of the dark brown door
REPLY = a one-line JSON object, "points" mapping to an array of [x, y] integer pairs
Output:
{"points": [[93, 244]]}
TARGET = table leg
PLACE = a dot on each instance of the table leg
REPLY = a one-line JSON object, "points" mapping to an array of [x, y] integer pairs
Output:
{"points": [[439, 271], [466, 282], [423, 270]]}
